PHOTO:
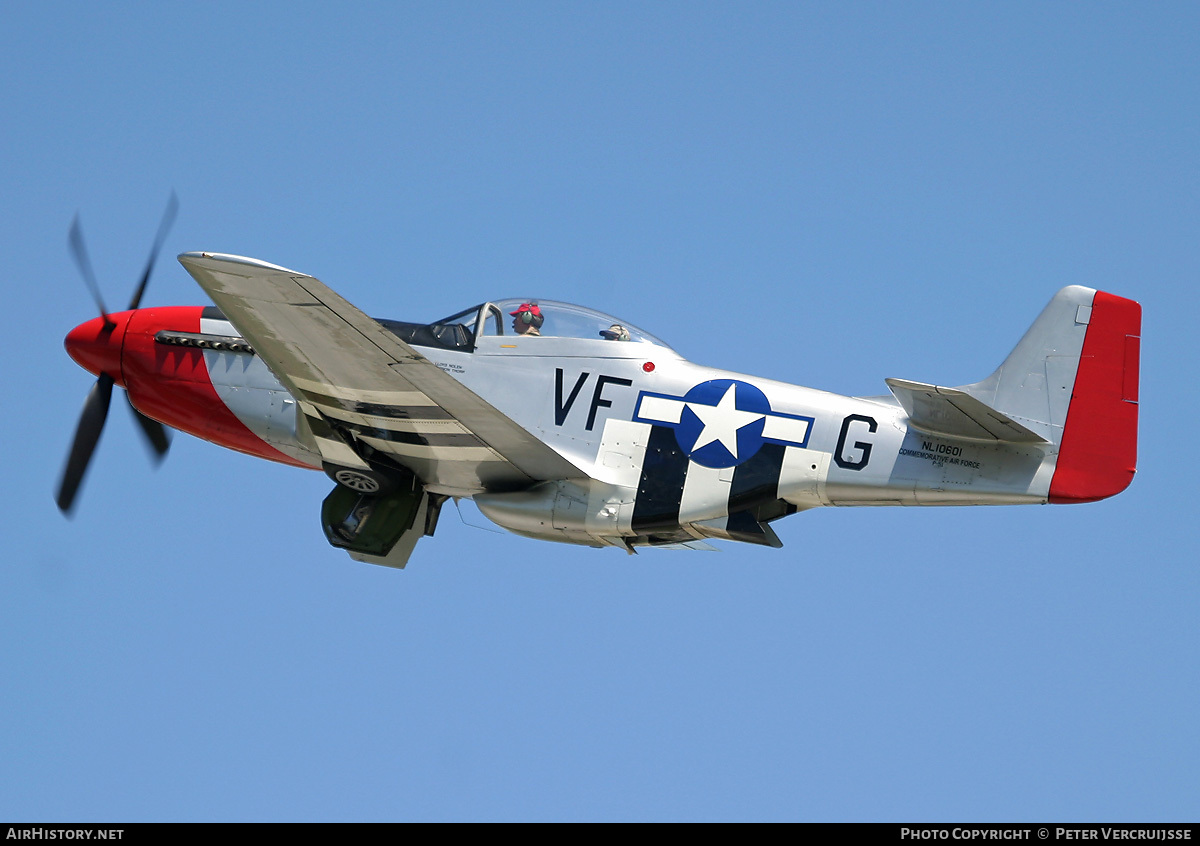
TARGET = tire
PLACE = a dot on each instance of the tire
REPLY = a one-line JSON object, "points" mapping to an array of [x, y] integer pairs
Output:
{"points": [[363, 481]]}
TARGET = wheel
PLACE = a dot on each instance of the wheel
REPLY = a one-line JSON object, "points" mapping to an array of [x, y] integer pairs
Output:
{"points": [[361, 481]]}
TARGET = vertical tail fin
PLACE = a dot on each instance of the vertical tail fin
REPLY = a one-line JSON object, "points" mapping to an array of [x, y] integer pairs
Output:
{"points": [[1074, 379]]}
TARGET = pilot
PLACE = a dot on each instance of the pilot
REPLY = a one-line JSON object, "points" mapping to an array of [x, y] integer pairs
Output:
{"points": [[616, 332], [527, 319]]}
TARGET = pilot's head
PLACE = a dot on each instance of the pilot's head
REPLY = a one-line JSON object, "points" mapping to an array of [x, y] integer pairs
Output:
{"points": [[616, 332], [527, 319]]}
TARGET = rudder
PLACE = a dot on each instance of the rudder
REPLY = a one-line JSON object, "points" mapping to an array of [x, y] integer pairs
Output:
{"points": [[1098, 454]]}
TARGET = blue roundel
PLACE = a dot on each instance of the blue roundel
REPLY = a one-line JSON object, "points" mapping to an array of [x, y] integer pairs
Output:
{"points": [[722, 422]]}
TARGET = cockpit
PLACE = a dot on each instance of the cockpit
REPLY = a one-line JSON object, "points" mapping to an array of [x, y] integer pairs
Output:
{"points": [[500, 319]]}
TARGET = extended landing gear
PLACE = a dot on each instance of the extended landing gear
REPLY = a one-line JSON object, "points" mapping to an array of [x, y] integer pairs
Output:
{"points": [[378, 517]]}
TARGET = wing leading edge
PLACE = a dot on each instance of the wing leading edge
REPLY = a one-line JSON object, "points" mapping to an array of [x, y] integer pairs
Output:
{"points": [[349, 374]]}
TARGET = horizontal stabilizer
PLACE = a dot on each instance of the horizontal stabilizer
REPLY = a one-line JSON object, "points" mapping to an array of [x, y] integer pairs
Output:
{"points": [[696, 545], [956, 414]]}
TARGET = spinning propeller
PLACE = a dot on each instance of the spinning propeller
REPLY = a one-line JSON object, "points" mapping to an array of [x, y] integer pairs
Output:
{"points": [[92, 340]]}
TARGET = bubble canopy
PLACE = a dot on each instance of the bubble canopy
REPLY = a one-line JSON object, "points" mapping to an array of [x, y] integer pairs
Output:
{"points": [[561, 320]]}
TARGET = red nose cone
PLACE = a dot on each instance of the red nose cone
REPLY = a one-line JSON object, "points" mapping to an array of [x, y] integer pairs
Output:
{"points": [[96, 345]]}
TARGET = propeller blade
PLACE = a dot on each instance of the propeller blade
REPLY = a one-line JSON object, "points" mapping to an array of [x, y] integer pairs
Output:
{"points": [[87, 433], [164, 227], [80, 254], [156, 434], [95, 409]]}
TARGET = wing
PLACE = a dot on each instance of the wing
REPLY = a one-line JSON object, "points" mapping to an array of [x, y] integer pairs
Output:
{"points": [[351, 375]]}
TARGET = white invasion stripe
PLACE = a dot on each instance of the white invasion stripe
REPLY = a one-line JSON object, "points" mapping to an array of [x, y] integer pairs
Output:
{"points": [[802, 477], [400, 398], [705, 493], [394, 424], [622, 451], [435, 453], [660, 409], [786, 429], [336, 452]]}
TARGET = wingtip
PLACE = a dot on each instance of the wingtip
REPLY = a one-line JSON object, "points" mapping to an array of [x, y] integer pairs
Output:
{"points": [[207, 259]]}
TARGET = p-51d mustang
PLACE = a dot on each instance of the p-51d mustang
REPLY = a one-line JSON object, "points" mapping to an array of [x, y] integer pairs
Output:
{"points": [[570, 425]]}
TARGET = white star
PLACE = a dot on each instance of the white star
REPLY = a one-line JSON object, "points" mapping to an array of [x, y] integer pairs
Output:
{"points": [[722, 421]]}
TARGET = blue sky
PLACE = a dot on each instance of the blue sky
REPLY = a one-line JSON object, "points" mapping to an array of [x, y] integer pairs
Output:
{"points": [[826, 194]]}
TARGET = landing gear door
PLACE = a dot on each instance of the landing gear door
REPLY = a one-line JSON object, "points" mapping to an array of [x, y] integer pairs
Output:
{"points": [[375, 529]]}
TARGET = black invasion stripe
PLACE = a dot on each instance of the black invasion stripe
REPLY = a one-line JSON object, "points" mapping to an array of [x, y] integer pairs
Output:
{"points": [[660, 488], [756, 480], [743, 527], [452, 439], [742, 523], [212, 313], [397, 412]]}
